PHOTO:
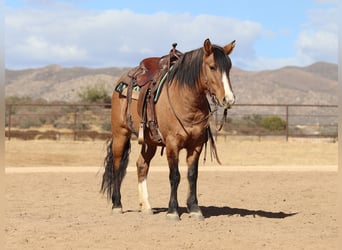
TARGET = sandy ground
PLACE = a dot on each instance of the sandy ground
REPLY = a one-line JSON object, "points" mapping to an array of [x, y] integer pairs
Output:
{"points": [[268, 194], [232, 152]]}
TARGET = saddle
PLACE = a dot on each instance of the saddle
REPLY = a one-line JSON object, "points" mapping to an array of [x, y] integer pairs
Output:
{"points": [[148, 78]]}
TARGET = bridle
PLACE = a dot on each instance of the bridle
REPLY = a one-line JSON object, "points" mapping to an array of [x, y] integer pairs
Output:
{"points": [[207, 117], [225, 111], [183, 123]]}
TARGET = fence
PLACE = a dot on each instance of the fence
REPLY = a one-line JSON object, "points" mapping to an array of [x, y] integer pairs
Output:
{"points": [[57, 121], [300, 120], [92, 121]]}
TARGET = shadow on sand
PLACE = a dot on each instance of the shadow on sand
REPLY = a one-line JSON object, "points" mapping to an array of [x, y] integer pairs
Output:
{"points": [[213, 211]]}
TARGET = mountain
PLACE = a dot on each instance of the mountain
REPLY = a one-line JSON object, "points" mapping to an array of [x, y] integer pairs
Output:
{"points": [[55, 83], [314, 84]]}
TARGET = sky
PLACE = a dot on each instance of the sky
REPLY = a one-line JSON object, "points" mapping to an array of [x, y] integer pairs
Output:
{"points": [[90, 33]]}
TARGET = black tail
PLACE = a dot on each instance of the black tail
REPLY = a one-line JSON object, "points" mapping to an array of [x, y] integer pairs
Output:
{"points": [[109, 178]]}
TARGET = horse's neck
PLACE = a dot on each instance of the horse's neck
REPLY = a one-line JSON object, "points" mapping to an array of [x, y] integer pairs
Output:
{"points": [[195, 100], [191, 102]]}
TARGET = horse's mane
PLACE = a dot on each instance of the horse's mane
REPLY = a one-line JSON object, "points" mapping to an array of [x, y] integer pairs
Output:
{"points": [[188, 68]]}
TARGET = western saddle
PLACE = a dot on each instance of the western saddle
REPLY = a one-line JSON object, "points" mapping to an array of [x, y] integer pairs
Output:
{"points": [[148, 77]]}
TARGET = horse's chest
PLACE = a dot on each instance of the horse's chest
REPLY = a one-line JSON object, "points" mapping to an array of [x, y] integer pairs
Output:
{"points": [[196, 133]]}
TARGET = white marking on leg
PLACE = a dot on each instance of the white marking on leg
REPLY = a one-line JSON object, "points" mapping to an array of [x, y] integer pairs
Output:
{"points": [[143, 195], [229, 95]]}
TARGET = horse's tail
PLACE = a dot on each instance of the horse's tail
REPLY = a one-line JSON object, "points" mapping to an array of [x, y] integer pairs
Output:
{"points": [[109, 178]]}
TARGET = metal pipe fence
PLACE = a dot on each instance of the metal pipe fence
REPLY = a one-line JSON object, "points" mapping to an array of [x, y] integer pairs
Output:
{"points": [[300, 120], [81, 121]]}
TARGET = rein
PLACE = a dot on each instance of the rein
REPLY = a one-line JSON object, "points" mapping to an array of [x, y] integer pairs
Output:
{"points": [[206, 118], [214, 100], [223, 120], [213, 151], [181, 121]]}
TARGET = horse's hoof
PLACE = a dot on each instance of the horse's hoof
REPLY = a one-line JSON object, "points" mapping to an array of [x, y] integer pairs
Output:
{"points": [[117, 210], [197, 215], [173, 216], [147, 211]]}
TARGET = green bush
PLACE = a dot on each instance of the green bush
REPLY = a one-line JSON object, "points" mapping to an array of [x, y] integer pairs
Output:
{"points": [[273, 123], [95, 94]]}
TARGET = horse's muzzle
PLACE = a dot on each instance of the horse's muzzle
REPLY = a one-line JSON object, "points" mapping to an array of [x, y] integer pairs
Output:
{"points": [[227, 102]]}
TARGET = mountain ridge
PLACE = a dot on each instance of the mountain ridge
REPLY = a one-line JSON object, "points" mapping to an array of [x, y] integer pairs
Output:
{"points": [[313, 84]]}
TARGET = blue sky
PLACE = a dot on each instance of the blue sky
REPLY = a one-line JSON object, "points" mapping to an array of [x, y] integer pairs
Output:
{"points": [[269, 34]]}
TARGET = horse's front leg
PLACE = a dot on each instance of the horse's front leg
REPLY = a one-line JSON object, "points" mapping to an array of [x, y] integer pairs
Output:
{"points": [[174, 178], [192, 202], [143, 164]]}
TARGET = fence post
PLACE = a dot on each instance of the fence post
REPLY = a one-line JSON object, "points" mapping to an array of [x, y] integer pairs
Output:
{"points": [[75, 125], [287, 122], [9, 121]]}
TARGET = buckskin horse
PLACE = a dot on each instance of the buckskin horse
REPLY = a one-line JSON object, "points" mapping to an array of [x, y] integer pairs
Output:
{"points": [[181, 114]]}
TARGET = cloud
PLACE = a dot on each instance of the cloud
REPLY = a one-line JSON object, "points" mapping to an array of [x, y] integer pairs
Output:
{"points": [[326, 1], [318, 45], [318, 41], [34, 47], [114, 37], [60, 33]]}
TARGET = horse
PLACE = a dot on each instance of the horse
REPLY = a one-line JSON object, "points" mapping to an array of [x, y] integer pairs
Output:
{"points": [[182, 113]]}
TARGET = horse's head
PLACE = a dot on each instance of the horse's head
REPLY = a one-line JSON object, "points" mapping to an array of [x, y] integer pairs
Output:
{"points": [[216, 68]]}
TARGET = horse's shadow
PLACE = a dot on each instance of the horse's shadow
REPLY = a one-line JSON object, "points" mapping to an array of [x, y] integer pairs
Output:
{"points": [[213, 211]]}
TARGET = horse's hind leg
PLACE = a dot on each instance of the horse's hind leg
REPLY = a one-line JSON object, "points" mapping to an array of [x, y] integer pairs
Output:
{"points": [[115, 169], [143, 164]]}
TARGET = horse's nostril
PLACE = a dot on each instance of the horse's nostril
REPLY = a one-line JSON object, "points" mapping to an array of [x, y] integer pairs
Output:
{"points": [[226, 101]]}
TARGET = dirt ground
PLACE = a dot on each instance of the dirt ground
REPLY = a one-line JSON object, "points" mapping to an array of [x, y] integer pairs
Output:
{"points": [[263, 197]]}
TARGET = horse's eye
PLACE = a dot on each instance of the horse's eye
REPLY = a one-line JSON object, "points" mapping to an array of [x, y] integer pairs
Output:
{"points": [[212, 68]]}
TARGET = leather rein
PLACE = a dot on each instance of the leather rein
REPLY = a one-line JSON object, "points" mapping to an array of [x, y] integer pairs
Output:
{"points": [[213, 151], [206, 118]]}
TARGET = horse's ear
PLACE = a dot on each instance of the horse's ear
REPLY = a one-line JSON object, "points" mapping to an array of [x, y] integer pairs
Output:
{"points": [[229, 48], [207, 47]]}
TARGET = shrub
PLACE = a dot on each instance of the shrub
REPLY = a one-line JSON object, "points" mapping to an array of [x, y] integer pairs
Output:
{"points": [[95, 94], [273, 123]]}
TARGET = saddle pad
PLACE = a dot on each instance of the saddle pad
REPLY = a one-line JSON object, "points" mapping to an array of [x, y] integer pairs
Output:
{"points": [[122, 89], [160, 86]]}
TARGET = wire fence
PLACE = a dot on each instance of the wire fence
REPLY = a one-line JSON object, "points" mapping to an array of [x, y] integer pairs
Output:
{"points": [[84, 121]]}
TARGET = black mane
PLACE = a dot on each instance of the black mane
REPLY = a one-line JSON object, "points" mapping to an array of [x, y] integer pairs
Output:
{"points": [[188, 68], [222, 60]]}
